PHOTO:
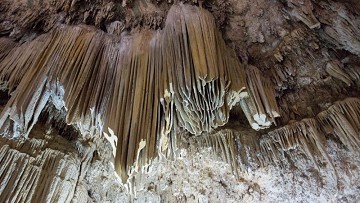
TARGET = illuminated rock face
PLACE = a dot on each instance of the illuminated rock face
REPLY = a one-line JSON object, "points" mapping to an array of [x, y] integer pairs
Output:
{"points": [[155, 89], [138, 88]]}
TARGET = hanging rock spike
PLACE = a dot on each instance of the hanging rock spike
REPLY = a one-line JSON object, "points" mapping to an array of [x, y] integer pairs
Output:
{"points": [[139, 88]]}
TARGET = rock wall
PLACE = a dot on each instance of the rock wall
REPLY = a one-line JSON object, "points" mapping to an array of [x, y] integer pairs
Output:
{"points": [[266, 110]]}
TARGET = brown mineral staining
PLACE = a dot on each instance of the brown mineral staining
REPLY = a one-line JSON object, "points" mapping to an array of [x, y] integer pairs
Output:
{"points": [[333, 68], [341, 119], [263, 107], [308, 135], [222, 144], [303, 11], [221, 100], [138, 87], [36, 171]]}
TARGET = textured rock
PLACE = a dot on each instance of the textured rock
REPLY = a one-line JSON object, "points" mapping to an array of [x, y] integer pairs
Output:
{"points": [[33, 171], [142, 77], [183, 75]]}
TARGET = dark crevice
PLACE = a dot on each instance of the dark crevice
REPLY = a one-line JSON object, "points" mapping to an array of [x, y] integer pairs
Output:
{"points": [[56, 119], [4, 97]]}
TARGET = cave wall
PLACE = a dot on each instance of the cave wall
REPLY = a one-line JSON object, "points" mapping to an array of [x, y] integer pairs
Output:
{"points": [[309, 51]]}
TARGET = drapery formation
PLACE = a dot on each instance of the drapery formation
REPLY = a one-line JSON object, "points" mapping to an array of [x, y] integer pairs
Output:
{"points": [[260, 106], [223, 144], [137, 89], [308, 136], [342, 120], [38, 176]]}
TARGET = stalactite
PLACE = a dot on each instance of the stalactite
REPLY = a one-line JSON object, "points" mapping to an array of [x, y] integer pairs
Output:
{"points": [[333, 68], [260, 107], [137, 89], [48, 176], [6, 45], [223, 145], [343, 120], [277, 146], [339, 27], [354, 72], [304, 135], [309, 135], [199, 97], [303, 11]]}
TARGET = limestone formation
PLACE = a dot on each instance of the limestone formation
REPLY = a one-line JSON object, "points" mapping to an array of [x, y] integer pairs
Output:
{"points": [[334, 70], [179, 101], [33, 171], [182, 76], [341, 120]]}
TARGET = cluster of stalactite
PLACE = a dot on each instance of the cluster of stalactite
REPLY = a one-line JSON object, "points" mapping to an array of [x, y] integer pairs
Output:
{"points": [[31, 171], [136, 89], [304, 135], [349, 76], [260, 106], [243, 150], [309, 135], [223, 145], [303, 11]]}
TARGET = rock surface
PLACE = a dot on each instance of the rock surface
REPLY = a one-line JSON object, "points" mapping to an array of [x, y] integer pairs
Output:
{"points": [[306, 51]]}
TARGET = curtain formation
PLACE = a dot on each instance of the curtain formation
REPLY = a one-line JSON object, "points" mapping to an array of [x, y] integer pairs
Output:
{"points": [[341, 120], [137, 89], [279, 147]]}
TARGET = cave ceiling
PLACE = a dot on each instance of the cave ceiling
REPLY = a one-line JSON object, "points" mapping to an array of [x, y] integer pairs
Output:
{"points": [[114, 89]]}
